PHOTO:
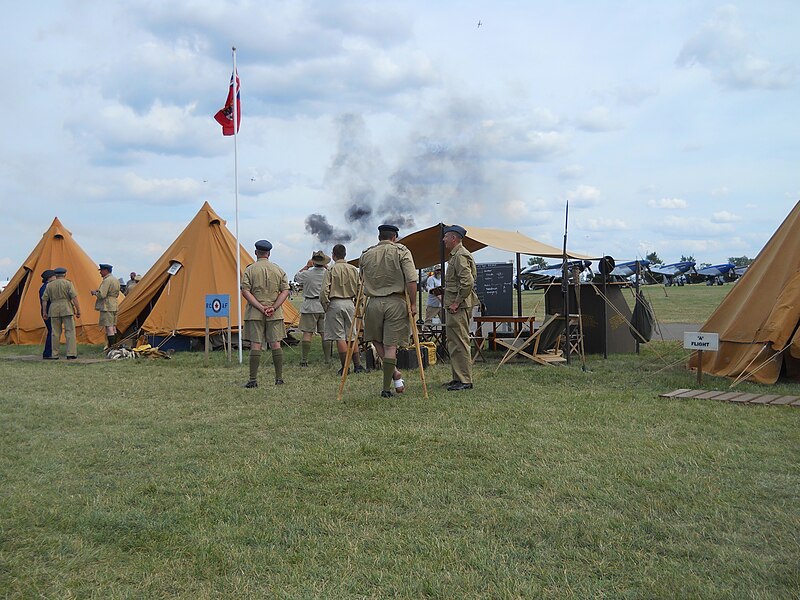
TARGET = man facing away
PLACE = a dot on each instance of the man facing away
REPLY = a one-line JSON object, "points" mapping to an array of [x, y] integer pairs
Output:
{"points": [[338, 295], [265, 287], [107, 302], [47, 276], [312, 313], [389, 274], [459, 298], [61, 301]]}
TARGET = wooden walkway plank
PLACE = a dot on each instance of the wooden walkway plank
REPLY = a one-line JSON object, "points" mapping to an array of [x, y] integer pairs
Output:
{"points": [[712, 395], [674, 393], [765, 399], [784, 400], [728, 396], [691, 394], [745, 398], [734, 397]]}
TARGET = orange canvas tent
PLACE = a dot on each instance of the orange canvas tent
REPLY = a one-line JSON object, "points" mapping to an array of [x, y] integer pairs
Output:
{"points": [[757, 322], [20, 312], [170, 298]]}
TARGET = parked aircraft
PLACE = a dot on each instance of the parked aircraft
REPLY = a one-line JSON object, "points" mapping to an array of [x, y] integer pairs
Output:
{"points": [[626, 269], [672, 273], [712, 274], [536, 276]]}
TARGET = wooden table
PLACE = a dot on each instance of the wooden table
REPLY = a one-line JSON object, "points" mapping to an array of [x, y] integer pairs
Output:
{"points": [[518, 323]]}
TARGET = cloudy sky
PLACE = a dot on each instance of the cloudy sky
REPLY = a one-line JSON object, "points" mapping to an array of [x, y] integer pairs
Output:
{"points": [[669, 126]]}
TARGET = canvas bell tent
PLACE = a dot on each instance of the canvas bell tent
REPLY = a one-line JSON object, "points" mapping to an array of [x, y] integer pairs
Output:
{"points": [[169, 301], [757, 322], [20, 312]]}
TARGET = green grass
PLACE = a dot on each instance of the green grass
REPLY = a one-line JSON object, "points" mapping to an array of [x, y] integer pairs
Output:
{"points": [[162, 478], [687, 304]]}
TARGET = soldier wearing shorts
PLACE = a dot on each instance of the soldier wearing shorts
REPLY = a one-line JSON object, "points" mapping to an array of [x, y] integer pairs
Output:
{"points": [[389, 274], [62, 299], [312, 314], [106, 303], [265, 287], [459, 298], [337, 295]]}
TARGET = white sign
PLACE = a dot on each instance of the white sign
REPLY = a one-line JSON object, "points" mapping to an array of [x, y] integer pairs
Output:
{"points": [[174, 268], [700, 340]]}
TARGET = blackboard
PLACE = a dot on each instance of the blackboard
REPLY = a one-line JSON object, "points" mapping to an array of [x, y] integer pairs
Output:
{"points": [[494, 287]]}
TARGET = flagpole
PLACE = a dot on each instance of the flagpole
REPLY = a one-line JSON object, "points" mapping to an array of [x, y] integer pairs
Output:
{"points": [[238, 293]]}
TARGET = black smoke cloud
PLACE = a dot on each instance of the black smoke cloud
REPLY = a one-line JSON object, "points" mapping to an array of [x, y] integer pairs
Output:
{"points": [[458, 157], [318, 225]]}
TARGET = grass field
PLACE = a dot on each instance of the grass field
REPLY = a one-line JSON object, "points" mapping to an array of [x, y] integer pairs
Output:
{"points": [[165, 479]]}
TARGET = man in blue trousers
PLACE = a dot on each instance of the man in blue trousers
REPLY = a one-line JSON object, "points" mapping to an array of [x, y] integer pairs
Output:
{"points": [[47, 276]]}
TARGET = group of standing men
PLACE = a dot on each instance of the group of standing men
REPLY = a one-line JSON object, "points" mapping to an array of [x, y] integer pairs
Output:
{"points": [[389, 279], [60, 307]]}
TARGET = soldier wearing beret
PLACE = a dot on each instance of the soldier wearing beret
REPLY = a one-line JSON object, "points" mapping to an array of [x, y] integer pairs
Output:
{"points": [[60, 303], [47, 276], [265, 287], [107, 302], [312, 314], [389, 273], [459, 298], [337, 295]]}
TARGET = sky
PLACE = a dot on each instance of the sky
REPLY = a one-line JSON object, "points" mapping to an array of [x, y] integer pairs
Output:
{"points": [[667, 126]]}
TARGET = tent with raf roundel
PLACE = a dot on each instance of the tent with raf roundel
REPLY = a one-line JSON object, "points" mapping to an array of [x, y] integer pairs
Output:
{"points": [[169, 301], [20, 310]]}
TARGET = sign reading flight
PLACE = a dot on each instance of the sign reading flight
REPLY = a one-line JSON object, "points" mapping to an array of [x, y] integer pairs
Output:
{"points": [[218, 305], [701, 340]]}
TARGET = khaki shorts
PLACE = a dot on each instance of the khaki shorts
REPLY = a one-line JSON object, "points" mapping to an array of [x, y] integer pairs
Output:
{"points": [[263, 331], [432, 311], [386, 321], [338, 319], [108, 318], [312, 322]]}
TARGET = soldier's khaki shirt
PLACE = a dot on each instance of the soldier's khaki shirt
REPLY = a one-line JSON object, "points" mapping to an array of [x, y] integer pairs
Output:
{"points": [[265, 280], [341, 281], [60, 293], [459, 280], [311, 280], [387, 267], [107, 294]]}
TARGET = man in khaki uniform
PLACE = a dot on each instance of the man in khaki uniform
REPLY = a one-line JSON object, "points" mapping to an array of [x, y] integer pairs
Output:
{"points": [[337, 295], [459, 298], [64, 307], [312, 313], [107, 301], [265, 287], [389, 273]]}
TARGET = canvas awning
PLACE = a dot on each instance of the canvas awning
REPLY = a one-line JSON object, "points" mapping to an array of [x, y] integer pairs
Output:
{"points": [[425, 244]]}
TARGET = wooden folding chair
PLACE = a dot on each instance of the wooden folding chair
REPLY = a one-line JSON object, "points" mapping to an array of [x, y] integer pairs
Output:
{"points": [[544, 336]]}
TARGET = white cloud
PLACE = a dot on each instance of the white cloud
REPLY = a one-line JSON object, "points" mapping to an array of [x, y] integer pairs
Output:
{"points": [[722, 47], [694, 226], [118, 132], [571, 172], [725, 216], [598, 119], [720, 191], [668, 203], [603, 224], [584, 196]]}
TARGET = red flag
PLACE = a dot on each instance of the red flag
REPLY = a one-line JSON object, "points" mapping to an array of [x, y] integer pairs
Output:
{"points": [[224, 116]]}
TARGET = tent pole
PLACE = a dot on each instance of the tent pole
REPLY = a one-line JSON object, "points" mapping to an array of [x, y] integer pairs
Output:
{"points": [[565, 286], [519, 289]]}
